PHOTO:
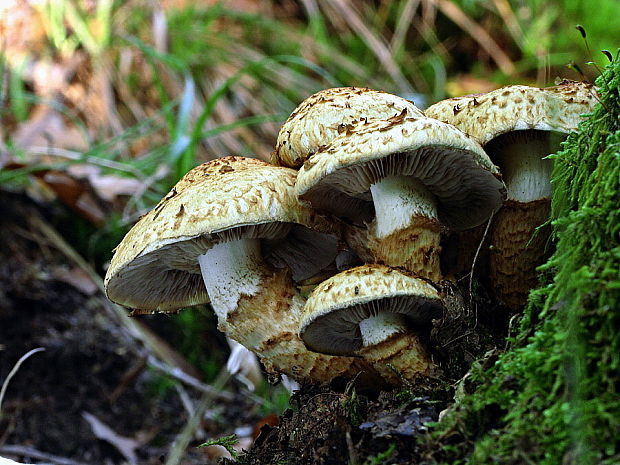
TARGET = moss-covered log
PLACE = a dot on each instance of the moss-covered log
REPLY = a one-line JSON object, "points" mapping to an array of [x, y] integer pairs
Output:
{"points": [[553, 397]]}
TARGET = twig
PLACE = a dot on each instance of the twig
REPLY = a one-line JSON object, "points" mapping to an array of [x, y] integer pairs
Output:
{"points": [[404, 22], [135, 328], [376, 44], [25, 451], [14, 370], [180, 375], [473, 263], [478, 33], [353, 459], [188, 405], [77, 156], [128, 377], [181, 442]]}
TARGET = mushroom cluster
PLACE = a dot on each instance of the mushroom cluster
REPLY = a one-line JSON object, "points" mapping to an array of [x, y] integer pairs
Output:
{"points": [[351, 210]]}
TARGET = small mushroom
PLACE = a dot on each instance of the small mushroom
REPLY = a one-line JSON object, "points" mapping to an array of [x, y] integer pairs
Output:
{"points": [[405, 177], [329, 113], [373, 311], [232, 232], [519, 127]]}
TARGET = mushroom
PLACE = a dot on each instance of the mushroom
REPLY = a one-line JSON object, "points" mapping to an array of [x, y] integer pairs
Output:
{"points": [[373, 311], [519, 127], [328, 113], [230, 232], [405, 177]]}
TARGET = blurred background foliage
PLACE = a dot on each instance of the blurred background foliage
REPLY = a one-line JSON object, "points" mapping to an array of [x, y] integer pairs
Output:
{"points": [[104, 104]]}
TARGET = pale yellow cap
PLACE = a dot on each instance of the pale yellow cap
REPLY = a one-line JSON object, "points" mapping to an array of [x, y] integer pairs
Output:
{"points": [[331, 316], [328, 113], [486, 116], [451, 165], [155, 267]]}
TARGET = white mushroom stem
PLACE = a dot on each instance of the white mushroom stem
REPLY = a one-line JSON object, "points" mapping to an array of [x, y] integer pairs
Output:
{"points": [[378, 328], [406, 229], [397, 200], [230, 270], [519, 247], [260, 308], [525, 171]]}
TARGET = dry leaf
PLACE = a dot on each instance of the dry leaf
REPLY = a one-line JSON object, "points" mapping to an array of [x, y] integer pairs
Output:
{"points": [[76, 277], [243, 364], [75, 195], [4, 461], [46, 128], [21, 29], [126, 446], [107, 186]]}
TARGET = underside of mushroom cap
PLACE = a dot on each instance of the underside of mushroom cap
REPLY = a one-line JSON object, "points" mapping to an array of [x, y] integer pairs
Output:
{"points": [[486, 116], [449, 164], [334, 310], [155, 267], [330, 112]]}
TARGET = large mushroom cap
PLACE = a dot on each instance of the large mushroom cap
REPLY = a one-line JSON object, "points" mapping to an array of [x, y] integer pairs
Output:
{"points": [[449, 164], [155, 267], [486, 116], [331, 317], [328, 113], [519, 127]]}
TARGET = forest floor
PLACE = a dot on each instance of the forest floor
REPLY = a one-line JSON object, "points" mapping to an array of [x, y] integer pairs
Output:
{"points": [[94, 395]]}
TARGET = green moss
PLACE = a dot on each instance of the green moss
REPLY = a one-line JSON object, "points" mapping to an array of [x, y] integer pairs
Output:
{"points": [[553, 398]]}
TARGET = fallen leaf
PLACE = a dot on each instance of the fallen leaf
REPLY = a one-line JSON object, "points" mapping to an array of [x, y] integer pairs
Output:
{"points": [[107, 186], [76, 277], [46, 128], [401, 422], [243, 364], [76, 195], [126, 446], [4, 461]]}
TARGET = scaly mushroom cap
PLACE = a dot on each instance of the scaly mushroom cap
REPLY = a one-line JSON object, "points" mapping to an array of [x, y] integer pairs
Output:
{"points": [[334, 310], [155, 267], [452, 166], [330, 112], [518, 127], [486, 116]]}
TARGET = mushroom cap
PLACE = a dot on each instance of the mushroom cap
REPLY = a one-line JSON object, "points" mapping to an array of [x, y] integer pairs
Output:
{"points": [[331, 316], [155, 266], [326, 114], [512, 108], [450, 164]]}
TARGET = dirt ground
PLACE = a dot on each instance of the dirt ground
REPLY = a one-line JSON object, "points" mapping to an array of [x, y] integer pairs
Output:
{"points": [[92, 398]]}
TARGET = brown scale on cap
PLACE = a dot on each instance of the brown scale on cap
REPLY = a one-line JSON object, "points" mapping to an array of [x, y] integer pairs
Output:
{"points": [[482, 116], [330, 113], [518, 126]]}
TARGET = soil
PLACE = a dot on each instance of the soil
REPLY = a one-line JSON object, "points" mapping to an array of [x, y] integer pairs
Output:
{"points": [[93, 366], [328, 427], [90, 366]]}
